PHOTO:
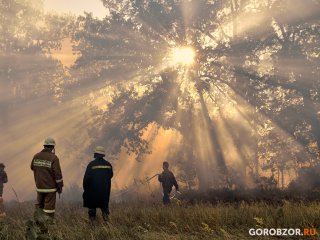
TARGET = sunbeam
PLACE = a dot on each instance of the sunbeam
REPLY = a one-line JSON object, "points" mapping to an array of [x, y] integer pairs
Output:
{"points": [[228, 89]]}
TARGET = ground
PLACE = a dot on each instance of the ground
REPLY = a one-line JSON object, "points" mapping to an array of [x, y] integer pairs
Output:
{"points": [[178, 221]]}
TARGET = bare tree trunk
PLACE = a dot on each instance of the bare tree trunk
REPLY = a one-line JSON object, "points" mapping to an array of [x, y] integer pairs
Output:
{"points": [[213, 133], [256, 159], [282, 178], [278, 176], [312, 118], [218, 157]]}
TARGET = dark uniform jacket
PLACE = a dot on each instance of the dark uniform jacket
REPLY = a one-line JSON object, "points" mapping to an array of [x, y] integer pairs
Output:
{"points": [[47, 171], [3, 177], [97, 184], [168, 180]]}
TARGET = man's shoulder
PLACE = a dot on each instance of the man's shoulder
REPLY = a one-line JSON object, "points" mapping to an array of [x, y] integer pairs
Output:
{"points": [[107, 163], [167, 173], [100, 162], [44, 154], [37, 155], [40, 155], [94, 164]]}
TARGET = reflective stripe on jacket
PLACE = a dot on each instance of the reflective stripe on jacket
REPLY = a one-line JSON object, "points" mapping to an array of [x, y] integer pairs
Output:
{"points": [[97, 184], [47, 171]]}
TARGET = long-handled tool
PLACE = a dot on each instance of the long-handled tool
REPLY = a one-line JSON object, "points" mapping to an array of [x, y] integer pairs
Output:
{"points": [[148, 179]]}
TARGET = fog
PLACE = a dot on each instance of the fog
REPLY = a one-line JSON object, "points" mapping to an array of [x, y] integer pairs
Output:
{"points": [[244, 106]]}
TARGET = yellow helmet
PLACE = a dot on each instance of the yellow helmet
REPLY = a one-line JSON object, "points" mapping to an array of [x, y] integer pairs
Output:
{"points": [[100, 150], [49, 142]]}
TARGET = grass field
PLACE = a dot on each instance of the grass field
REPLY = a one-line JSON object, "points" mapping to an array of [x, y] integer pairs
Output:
{"points": [[178, 221]]}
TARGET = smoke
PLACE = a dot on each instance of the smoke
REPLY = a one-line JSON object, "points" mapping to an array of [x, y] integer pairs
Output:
{"points": [[239, 113]]}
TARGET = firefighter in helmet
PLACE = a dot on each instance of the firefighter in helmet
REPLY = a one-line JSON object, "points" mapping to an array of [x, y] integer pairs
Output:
{"points": [[167, 180], [48, 177], [97, 185], [3, 179]]}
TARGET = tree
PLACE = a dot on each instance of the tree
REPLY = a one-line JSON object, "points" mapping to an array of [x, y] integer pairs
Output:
{"points": [[240, 70], [27, 36]]}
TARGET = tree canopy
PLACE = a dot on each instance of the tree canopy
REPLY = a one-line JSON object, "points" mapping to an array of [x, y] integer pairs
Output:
{"points": [[234, 82], [252, 90]]}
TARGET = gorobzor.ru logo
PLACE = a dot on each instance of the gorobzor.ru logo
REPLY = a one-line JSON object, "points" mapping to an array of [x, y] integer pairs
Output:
{"points": [[282, 232]]}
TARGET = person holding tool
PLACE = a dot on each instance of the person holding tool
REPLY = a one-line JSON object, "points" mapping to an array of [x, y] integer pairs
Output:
{"points": [[167, 180], [48, 178]]}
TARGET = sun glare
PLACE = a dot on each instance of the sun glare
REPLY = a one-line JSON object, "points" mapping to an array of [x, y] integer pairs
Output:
{"points": [[182, 56]]}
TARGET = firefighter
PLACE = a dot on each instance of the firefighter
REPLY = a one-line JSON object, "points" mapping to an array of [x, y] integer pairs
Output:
{"points": [[48, 178], [167, 180], [3, 179], [97, 185]]}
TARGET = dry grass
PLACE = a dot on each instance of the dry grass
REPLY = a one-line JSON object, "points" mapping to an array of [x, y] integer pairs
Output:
{"points": [[178, 221]]}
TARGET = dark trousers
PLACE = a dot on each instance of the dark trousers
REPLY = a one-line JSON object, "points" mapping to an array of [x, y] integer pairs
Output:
{"points": [[47, 202], [1, 205], [93, 213], [166, 195], [1, 190]]}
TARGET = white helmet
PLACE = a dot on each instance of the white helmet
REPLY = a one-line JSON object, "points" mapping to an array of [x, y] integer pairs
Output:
{"points": [[49, 142], [100, 150]]}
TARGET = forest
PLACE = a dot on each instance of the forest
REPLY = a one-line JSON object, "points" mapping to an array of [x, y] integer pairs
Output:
{"points": [[245, 111], [227, 91]]}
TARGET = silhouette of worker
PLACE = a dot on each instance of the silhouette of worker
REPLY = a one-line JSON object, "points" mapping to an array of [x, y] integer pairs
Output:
{"points": [[167, 180], [48, 178], [3, 179], [97, 185]]}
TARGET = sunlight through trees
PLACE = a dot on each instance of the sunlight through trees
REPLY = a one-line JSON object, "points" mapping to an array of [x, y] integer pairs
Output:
{"points": [[230, 88]]}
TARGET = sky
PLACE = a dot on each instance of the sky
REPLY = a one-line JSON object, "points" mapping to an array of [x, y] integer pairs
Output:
{"points": [[77, 6], [65, 54]]}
